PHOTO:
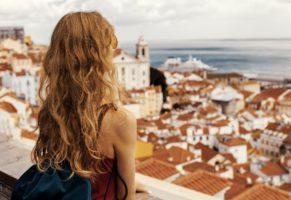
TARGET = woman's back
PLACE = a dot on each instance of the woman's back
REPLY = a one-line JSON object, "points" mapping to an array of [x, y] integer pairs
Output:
{"points": [[78, 76]]}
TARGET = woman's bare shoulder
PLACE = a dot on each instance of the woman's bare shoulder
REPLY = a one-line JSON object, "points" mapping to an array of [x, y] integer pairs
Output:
{"points": [[122, 123]]}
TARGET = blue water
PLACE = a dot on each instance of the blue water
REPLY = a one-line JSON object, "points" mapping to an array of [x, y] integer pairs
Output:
{"points": [[248, 56]]}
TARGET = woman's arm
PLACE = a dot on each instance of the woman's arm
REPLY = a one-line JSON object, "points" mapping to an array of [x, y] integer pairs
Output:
{"points": [[124, 147]]}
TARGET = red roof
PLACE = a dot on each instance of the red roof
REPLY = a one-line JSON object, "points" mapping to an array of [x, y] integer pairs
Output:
{"points": [[263, 192], [208, 110], [20, 56], [183, 129], [156, 168], [273, 169], [192, 167], [203, 181], [5, 66], [28, 134], [274, 93], [185, 117], [8, 107], [207, 152], [231, 142], [174, 155]]}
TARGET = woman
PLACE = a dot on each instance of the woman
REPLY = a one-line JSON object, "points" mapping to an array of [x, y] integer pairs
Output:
{"points": [[81, 119]]}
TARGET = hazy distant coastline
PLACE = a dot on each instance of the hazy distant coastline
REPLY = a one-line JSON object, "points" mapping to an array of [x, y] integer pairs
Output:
{"points": [[250, 55]]}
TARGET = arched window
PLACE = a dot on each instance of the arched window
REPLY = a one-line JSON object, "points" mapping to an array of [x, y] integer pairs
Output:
{"points": [[143, 51]]}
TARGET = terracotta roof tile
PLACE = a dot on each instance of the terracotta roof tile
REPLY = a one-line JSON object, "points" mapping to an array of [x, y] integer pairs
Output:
{"points": [[8, 107], [273, 169], [203, 181], [229, 157], [183, 129], [28, 134], [153, 138], [231, 142], [156, 168], [224, 75], [234, 190], [286, 187], [256, 134], [20, 56], [208, 110], [166, 115], [263, 192], [144, 123], [173, 139], [246, 93], [238, 167], [192, 167], [269, 93], [207, 153], [174, 155], [5, 66], [160, 125], [243, 178], [185, 117], [220, 123], [243, 131]]}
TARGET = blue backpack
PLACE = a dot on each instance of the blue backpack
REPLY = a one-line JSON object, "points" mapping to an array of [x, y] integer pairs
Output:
{"points": [[51, 184]]}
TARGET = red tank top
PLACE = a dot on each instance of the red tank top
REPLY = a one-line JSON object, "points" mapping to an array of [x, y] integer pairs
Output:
{"points": [[105, 185]]}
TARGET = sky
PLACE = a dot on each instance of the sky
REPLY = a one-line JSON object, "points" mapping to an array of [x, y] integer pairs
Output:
{"points": [[158, 20]]}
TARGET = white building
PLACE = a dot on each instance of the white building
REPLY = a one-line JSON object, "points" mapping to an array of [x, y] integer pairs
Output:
{"points": [[150, 100], [133, 72], [24, 84], [236, 146], [272, 138], [16, 45], [8, 118]]}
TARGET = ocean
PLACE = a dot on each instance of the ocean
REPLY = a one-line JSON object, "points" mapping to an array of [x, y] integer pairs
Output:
{"points": [[271, 57]]}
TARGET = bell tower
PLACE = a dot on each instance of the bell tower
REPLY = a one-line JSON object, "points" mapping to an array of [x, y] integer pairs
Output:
{"points": [[142, 49]]}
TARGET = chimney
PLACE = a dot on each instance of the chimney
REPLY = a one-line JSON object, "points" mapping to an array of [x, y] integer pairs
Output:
{"points": [[216, 167], [204, 74], [249, 181], [188, 158], [282, 159]]}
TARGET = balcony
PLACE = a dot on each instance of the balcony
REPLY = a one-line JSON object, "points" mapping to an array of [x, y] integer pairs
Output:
{"points": [[15, 160]]}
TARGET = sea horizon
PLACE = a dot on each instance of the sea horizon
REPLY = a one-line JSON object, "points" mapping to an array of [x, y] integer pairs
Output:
{"points": [[270, 56]]}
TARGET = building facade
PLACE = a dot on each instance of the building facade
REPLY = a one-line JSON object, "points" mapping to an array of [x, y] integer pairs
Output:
{"points": [[133, 72], [13, 32]]}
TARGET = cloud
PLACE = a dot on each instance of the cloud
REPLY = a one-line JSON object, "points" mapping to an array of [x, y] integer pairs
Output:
{"points": [[158, 19]]}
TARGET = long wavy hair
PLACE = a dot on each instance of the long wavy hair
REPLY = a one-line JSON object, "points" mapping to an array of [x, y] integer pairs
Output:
{"points": [[78, 74]]}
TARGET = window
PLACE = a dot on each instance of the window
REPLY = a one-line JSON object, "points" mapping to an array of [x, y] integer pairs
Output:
{"points": [[143, 51], [133, 72], [123, 71], [143, 73]]}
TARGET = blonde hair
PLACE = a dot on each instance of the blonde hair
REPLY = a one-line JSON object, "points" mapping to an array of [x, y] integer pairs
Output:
{"points": [[78, 74]]}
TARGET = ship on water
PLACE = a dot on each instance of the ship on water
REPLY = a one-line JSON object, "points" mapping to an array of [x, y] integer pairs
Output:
{"points": [[176, 63]]}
